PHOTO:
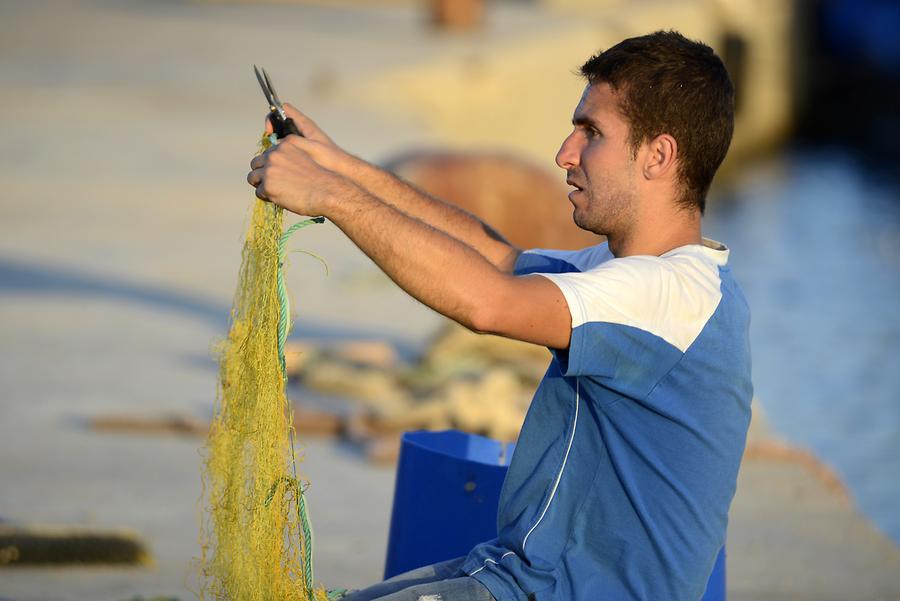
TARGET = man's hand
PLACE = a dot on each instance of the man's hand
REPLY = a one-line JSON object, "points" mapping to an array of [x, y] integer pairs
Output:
{"points": [[288, 175], [323, 150], [298, 172]]}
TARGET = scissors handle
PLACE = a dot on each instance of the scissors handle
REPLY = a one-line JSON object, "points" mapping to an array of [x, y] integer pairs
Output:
{"points": [[283, 127]]}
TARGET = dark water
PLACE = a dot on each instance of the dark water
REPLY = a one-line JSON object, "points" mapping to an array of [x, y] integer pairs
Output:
{"points": [[815, 241]]}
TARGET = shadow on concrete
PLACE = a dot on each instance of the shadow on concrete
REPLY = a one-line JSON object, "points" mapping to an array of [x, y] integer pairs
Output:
{"points": [[17, 277], [20, 276]]}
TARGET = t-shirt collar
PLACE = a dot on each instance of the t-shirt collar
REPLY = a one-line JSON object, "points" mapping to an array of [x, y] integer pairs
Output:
{"points": [[712, 249]]}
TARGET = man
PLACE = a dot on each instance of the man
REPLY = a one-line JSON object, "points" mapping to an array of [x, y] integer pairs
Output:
{"points": [[626, 464]]}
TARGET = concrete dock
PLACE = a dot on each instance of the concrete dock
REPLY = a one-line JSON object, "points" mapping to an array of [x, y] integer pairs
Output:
{"points": [[127, 130]]}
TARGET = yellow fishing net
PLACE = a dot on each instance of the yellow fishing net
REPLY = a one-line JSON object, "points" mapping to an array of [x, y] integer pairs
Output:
{"points": [[256, 543]]}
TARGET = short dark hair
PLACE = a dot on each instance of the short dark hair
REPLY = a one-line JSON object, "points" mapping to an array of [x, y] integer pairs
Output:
{"points": [[669, 84]]}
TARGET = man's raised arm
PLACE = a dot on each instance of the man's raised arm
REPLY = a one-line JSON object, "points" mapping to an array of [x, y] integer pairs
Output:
{"points": [[404, 197], [440, 270]]}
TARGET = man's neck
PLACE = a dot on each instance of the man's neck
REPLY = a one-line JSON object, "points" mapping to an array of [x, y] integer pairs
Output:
{"points": [[657, 236]]}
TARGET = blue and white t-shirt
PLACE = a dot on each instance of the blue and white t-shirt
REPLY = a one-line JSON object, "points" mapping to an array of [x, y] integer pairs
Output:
{"points": [[627, 462]]}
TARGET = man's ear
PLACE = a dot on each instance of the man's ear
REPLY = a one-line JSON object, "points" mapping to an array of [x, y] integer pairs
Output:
{"points": [[662, 152]]}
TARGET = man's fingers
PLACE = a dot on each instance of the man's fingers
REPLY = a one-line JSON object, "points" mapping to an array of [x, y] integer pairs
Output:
{"points": [[293, 148], [299, 142], [255, 177], [306, 125], [294, 113], [256, 180]]}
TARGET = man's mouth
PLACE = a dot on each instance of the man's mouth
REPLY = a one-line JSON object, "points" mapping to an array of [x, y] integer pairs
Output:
{"points": [[574, 185]]}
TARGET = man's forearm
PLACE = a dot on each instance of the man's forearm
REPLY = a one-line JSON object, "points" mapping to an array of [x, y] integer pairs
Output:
{"points": [[437, 269], [441, 215]]}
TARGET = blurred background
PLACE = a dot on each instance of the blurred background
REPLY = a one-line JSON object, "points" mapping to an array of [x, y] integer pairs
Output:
{"points": [[127, 127]]}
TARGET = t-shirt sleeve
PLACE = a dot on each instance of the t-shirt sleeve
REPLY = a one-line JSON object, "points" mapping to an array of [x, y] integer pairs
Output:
{"points": [[632, 319]]}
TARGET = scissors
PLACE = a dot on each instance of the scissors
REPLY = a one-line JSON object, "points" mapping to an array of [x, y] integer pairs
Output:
{"points": [[281, 123]]}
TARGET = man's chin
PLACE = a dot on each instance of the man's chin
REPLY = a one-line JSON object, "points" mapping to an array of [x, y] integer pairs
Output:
{"points": [[586, 225], [580, 221]]}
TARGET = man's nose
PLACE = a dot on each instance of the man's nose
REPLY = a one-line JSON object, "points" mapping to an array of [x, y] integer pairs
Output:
{"points": [[568, 155]]}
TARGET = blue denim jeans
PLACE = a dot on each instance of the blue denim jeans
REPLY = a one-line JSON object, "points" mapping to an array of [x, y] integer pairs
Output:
{"points": [[443, 581]]}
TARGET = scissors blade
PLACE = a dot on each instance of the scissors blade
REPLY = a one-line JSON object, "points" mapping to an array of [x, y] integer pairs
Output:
{"points": [[272, 89], [274, 105], [282, 125]]}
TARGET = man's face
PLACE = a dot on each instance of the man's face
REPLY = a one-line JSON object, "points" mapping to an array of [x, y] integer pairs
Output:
{"points": [[599, 164]]}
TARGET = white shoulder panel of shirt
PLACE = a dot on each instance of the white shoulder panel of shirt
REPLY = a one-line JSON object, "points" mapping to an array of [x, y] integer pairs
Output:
{"points": [[671, 296]]}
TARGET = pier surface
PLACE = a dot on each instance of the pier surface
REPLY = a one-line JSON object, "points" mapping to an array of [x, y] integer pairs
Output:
{"points": [[127, 131]]}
